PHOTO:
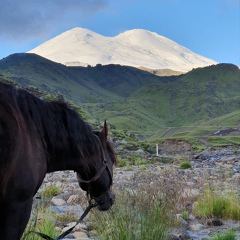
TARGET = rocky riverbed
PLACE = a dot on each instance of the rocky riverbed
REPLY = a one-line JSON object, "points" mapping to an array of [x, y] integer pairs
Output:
{"points": [[220, 166]]}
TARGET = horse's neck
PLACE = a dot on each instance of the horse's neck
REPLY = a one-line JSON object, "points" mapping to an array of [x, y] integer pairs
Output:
{"points": [[63, 164]]}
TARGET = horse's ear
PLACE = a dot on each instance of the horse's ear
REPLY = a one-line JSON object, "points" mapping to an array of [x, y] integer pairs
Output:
{"points": [[104, 132]]}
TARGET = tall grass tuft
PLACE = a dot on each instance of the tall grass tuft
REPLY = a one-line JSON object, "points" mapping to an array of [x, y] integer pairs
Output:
{"points": [[229, 235], [217, 204], [42, 222], [146, 210], [130, 219], [51, 191]]}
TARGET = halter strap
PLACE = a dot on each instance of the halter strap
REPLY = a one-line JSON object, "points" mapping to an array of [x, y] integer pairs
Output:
{"points": [[100, 172], [97, 176]]}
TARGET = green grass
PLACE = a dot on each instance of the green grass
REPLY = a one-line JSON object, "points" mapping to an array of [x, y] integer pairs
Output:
{"points": [[146, 211], [43, 223], [229, 235], [50, 191], [224, 141], [217, 204], [185, 215], [66, 218], [133, 217], [135, 160]]}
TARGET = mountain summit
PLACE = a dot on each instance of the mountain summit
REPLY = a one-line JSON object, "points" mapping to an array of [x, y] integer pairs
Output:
{"points": [[132, 48]]}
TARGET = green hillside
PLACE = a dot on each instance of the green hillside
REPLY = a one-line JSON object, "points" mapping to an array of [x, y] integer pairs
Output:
{"points": [[80, 84], [31, 69], [193, 104], [201, 95]]}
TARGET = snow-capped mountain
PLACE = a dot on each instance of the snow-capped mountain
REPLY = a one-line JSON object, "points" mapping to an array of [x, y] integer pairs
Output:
{"points": [[133, 48]]}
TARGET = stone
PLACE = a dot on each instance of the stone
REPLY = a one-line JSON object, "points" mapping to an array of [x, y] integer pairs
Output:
{"points": [[80, 235], [81, 226], [57, 229], [190, 184], [178, 216], [73, 199], [58, 201], [196, 227], [183, 222], [58, 184], [214, 222], [69, 225], [191, 217], [139, 151], [172, 237], [123, 141], [190, 193]]}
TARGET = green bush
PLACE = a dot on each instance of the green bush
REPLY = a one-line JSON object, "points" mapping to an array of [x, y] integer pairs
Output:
{"points": [[185, 165]]}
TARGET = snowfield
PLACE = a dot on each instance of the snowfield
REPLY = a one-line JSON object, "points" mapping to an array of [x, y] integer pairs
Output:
{"points": [[82, 47]]}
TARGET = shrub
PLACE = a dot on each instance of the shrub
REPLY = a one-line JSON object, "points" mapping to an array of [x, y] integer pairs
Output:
{"points": [[185, 165]]}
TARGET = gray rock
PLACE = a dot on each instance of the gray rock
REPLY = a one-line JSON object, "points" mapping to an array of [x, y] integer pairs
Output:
{"points": [[196, 227], [188, 192], [58, 201]]}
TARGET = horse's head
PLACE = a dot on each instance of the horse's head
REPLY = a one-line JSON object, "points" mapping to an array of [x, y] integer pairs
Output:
{"points": [[98, 185]]}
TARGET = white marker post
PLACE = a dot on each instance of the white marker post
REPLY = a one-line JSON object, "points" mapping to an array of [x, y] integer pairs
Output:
{"points": [[157, 148]]}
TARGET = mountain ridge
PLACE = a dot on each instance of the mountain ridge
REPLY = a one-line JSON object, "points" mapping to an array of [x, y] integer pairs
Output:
{"points": [[135, 48]]}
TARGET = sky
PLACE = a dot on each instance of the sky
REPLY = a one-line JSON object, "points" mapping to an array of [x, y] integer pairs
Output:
{"points": [[210, 28]]}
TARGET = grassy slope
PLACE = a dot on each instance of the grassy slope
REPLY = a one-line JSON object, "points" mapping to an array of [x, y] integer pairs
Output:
{"points": [[192, 104], [196, 98], [30, 69]]}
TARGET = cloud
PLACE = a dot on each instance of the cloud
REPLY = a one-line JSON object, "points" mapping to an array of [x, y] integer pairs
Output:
{"points": [[28, 19]]}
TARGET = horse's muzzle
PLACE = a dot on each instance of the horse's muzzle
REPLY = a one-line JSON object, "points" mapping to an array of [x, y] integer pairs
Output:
{"points": [[105, 201]]}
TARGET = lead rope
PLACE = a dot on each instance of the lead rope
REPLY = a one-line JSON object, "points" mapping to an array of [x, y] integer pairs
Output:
{"points": [[44, 236]]}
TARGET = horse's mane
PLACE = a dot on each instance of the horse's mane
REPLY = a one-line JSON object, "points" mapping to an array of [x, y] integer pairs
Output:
{"points": [[60, 128]]}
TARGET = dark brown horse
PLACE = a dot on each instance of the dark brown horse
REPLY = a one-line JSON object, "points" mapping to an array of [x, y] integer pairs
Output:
{"points": [[37, 137]]}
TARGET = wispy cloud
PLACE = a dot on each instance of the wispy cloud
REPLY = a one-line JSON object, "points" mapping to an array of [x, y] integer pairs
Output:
{"points": [[28, 19]]}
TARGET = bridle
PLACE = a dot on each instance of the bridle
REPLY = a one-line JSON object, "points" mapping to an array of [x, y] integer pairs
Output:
{"points": [[98, 174]]}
